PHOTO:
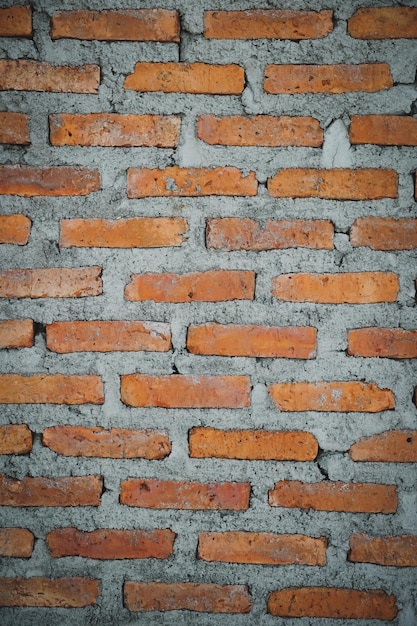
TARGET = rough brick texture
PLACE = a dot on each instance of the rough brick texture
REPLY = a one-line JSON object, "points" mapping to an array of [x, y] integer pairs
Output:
{"points": [[384, 130], [392, 551], [15, 439], [16, 21], [43, 491], [20, 180], [16, 334], [46, 592], [384, 233], [389, 447], [14, 229], [392, 343], [14, 127], [27, 75], [51, 389], [51, 282], [16, 542], [383, 23]]}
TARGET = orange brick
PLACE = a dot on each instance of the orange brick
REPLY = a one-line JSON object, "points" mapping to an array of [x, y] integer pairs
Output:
{"points": [[170, 494], [28, 75], [333, 396], [392, 343], [108, 543], [190, 182], [112, 129], [294, 79], [398, 551], [384, 233], [134, 25], [116, 443], [16, 21], [290, 342], [338, 184], [21, 180], [50, 389], [252, 445], [16, 334], [235, 233], [335, 496], [383, 130], [15, 439], [395, 446], [14, 127], [350, 288], [332, 602], [383, 23], [202, 597], [178, 391], [262, 548], [16, 542], [53, 282], [108, 336], [211, 286], [59, 592], [267, 24], [43, 491], [260, 130], [135, 232], [15, 229]]}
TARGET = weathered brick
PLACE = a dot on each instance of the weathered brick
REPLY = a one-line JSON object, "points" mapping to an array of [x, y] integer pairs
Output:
{"points": [[335, 496], [337, 184], [190, 182], [28, 75], [16, 542], [51, 282], [16, 21], [16, 334], [170, 494], [15, 229], [46, 592], [182, 391], [15, 439], [290, 342], [391, 343], [383, 130], [135, 232], [196, 78], [400, 551], [115, 443], [293, 79], [44, 491], [395, 446], [211, 286], [332, 602], [235, 233], [109, 543], [21, 180], [267, 24], [14, 127], [202, 597], [262, 445], [383, 23], [350, 288], [262, 548], [259, 130], [384, 233], [332, 396], [125, 25], [50, 389]]}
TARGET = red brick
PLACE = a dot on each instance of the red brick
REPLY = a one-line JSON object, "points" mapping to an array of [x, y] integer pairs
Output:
{"points": [[202, 597], [44, 491], [383, 23], [190, 182], [28, 75], [187, 78], [251, 445], [391, 343], [395, 446], [334, 496], [16, 334], [267, 24], [333, 396], [14, 127], [116, 443], [211, 286], [16, 542], [15, 229], [290, 342], [383, 130], [125, 25], [189, 391], [332, 602], [292, 79], [337, 184], [59, 592], [169, 494], [15, 439], [235, 233], [398, 551], [50, 389], [53, 282], [350, 288], [108, 543], [259, 130], [262, 548], [21, 180], [384, 233], [16, 21]]}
